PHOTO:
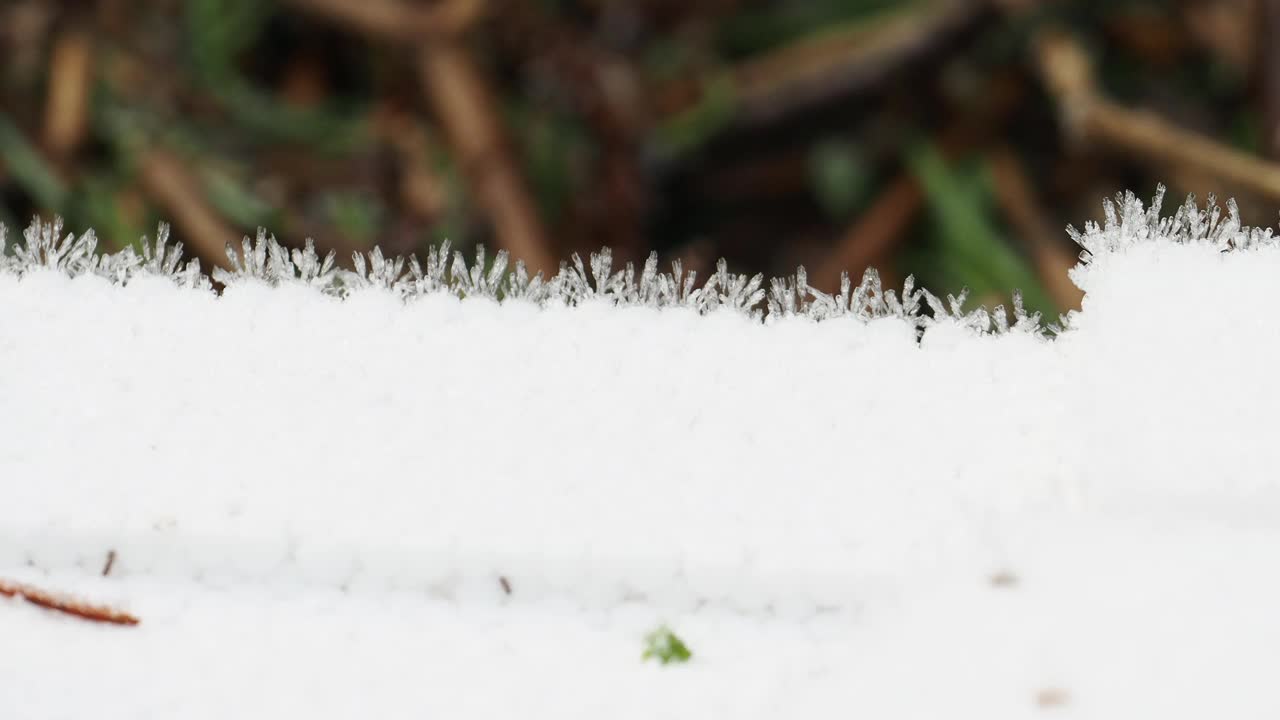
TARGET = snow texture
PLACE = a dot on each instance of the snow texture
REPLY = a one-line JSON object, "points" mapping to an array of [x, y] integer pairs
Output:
{"points": [[446, 489]]}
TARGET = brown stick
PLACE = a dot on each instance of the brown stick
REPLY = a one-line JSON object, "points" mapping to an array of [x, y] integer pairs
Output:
{"points": [[1092, 117], [67, 104], [66, 605], [846, 61], [166, 180], [1268, 69], [840, 62], [1151, 137], [870, 238], [1051, 259], [461, 97], [397, 19]]}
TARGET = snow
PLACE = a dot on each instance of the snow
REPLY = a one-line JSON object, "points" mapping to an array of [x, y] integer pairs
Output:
{"points": [[318, 483]]}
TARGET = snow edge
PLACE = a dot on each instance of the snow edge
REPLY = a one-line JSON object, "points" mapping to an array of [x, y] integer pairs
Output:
{"points": [[1127, 222]]}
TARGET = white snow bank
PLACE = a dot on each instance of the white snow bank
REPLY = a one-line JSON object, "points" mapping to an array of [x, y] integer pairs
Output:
{"points": [[336, 485]]}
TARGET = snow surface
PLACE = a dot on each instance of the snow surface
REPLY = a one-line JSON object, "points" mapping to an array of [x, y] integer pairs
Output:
{"points": [[317, 487]]}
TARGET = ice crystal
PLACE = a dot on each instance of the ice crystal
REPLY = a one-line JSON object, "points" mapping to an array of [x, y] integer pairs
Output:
{"points": [[867, 301], [521, 287], [1022, 321], [160, 259], [435, 277], [477, 282], [310, 269], [576, 284], [1127, 222], [46, 248], [734, 292], [378, 271]]}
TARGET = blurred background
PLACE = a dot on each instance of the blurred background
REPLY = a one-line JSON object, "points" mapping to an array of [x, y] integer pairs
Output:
{"points": [[949, 139]]}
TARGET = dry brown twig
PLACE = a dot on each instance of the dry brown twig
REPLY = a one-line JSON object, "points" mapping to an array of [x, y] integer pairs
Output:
{"points": [[465, 106], [168, 182], [463, 100], [1268, 69], [837, 63], [67, 105], [398, 19], [873, 235], [66, 605], [1052, 260], [845, 62], [603, 89], [1091, 117], [1052, 698]]}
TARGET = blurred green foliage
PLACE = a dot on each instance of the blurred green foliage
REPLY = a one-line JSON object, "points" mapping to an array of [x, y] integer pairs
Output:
{"points": [[25, 163], [841, 176], [219, 32], [969, 251]]}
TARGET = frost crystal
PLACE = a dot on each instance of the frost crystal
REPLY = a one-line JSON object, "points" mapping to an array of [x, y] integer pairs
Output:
{"points": [[476, 282], [47, 249], [734, 292], [434, 278], [264, 259], [159, 259], [1127, 222], [524, 288], [868, 301], [250, 263], [380, 272], [310, 269]]}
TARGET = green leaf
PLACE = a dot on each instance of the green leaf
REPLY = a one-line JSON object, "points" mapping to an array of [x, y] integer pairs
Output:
{"points": [[553, 146], [690, 129], [237, 203], [666, 647], [218, 32], [839, 176], [754, 31], [96, 205], [30, 170], [355, 215], [971, 247]]}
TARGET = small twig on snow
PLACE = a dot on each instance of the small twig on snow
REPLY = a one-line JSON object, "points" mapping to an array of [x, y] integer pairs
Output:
{"points": [[66, 605]]}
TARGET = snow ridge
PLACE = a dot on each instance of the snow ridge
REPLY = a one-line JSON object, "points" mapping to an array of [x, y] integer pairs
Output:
{"points": [[323, 479]]}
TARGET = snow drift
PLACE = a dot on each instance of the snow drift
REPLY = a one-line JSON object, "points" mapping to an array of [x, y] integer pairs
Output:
{"points": [[451, 488]]}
